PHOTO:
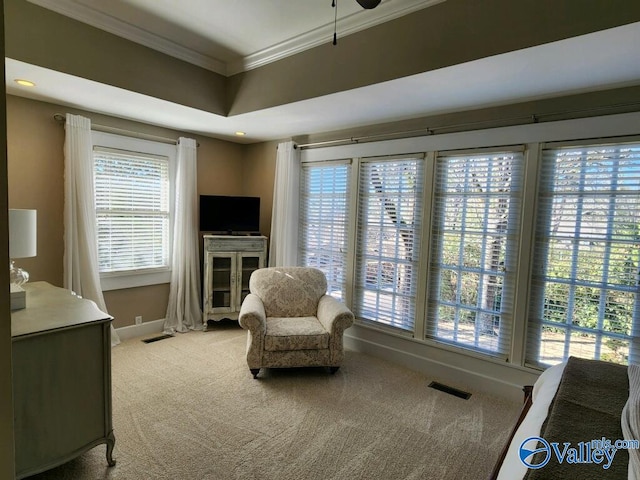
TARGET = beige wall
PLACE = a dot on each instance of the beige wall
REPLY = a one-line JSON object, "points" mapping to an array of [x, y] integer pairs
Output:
{"points": [[258, 173], [35, 167], [36, 176], [149, 302]]}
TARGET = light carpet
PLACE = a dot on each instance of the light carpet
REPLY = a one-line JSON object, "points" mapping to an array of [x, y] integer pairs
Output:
{"points": [[187, 408]]}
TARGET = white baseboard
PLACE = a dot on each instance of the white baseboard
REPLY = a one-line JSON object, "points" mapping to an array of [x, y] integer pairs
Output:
{"points": [[146, 328], [458, 370]]}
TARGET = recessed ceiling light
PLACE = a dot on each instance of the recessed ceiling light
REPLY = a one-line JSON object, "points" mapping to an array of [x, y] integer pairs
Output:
{"points": [[24, 83], [240, 134]]}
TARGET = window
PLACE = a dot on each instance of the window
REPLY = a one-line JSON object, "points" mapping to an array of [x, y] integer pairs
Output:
{"points": [[133, 201], [388, 240], [587, 255], [324, 220], [517, 256], [476, 211]]}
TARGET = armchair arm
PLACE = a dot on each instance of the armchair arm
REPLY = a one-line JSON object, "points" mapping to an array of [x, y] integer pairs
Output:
{"points": [[252, 316], [334, 315]]}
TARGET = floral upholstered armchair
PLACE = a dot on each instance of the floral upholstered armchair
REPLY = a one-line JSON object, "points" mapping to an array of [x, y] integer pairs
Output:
{"points": [[291, 321]]}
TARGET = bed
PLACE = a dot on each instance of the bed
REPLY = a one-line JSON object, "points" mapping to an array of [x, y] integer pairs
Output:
{"points": [[574, 403]]}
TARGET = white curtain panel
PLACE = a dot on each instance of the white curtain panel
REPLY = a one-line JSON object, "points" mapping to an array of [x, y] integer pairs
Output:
{"points": [[81, 273], [183, 309], [283, 247]]}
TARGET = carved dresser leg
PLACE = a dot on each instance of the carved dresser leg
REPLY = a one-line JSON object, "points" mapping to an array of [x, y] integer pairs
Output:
{"points": [[111, 442]]}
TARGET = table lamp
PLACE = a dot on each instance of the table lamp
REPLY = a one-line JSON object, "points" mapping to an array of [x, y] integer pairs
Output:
{"points": [[22, 244]]}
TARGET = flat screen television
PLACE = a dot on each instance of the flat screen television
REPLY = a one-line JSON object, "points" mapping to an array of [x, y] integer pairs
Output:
{"points": [[229, 214]]}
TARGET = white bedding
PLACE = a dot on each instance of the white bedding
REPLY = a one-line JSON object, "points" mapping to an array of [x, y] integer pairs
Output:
{"points": [[543, 392]]}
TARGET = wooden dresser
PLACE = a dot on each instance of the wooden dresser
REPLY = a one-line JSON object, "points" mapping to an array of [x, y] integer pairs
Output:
{"points": [[61, 352]]}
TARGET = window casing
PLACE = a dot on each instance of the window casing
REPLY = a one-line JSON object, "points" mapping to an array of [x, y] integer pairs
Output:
{"points": [[133, 202], [525, 263], [324, 221], [587, 254], [390, 205], [474, 245]]}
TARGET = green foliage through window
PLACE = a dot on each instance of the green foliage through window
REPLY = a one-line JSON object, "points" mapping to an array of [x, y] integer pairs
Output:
{"points": [[587, 255]]}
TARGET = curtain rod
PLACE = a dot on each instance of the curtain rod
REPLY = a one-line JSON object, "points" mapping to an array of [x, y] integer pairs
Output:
{"points": [[534, 118], [59, 117]]}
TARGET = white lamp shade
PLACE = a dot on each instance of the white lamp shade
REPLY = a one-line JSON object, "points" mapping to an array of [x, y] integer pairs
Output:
{"points": [[22, 233]]}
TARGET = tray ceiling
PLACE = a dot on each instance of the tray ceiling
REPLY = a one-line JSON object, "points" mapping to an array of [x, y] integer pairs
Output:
{"points": [[227, 36]]}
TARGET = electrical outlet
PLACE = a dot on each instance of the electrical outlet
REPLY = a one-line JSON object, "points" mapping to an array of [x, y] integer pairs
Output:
{"points": [[139, 320]]}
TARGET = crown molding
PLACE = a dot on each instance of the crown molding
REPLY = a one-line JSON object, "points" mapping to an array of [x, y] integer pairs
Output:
{"points": [[356, 22], [90, 16], [361, 20]]}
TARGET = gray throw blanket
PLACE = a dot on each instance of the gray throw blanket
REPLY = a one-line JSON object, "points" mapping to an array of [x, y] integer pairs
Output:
{"points": [[587, 406]]}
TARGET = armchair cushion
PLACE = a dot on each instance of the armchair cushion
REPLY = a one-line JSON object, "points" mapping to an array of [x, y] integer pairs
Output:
{"points": [[295, 333]]}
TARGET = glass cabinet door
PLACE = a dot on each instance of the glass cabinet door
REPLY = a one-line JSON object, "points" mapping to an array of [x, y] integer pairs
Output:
{"points": [[248, 263], [222, 281], [228, 262]]}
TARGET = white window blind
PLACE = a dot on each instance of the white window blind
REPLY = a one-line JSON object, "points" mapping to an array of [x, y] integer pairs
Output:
{"points": [[324, 217], [132, 196], [587, 254], [388, 240], [477, 209]]}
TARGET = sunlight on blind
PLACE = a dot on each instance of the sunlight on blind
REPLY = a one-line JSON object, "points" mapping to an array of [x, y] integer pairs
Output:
{"points": [[132, 209], [389, 222], [324, 214], [477, 211], [587, 256]]}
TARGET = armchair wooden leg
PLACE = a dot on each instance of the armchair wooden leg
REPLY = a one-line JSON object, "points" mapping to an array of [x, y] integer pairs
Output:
{"points": [[254, 372], [333, 370]]}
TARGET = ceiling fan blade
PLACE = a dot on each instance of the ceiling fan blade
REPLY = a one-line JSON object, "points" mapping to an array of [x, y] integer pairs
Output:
{"points": [[368, 4]]}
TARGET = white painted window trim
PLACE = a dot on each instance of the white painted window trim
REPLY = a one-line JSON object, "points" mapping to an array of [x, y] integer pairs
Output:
{"points": [[140, 278]]}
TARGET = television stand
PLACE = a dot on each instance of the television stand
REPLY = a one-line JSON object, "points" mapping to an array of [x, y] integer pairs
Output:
{"points": [[229, 261]]}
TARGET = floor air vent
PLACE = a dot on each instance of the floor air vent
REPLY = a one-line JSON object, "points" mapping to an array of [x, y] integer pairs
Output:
{"points": [[450, 390], [155, 339]]}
